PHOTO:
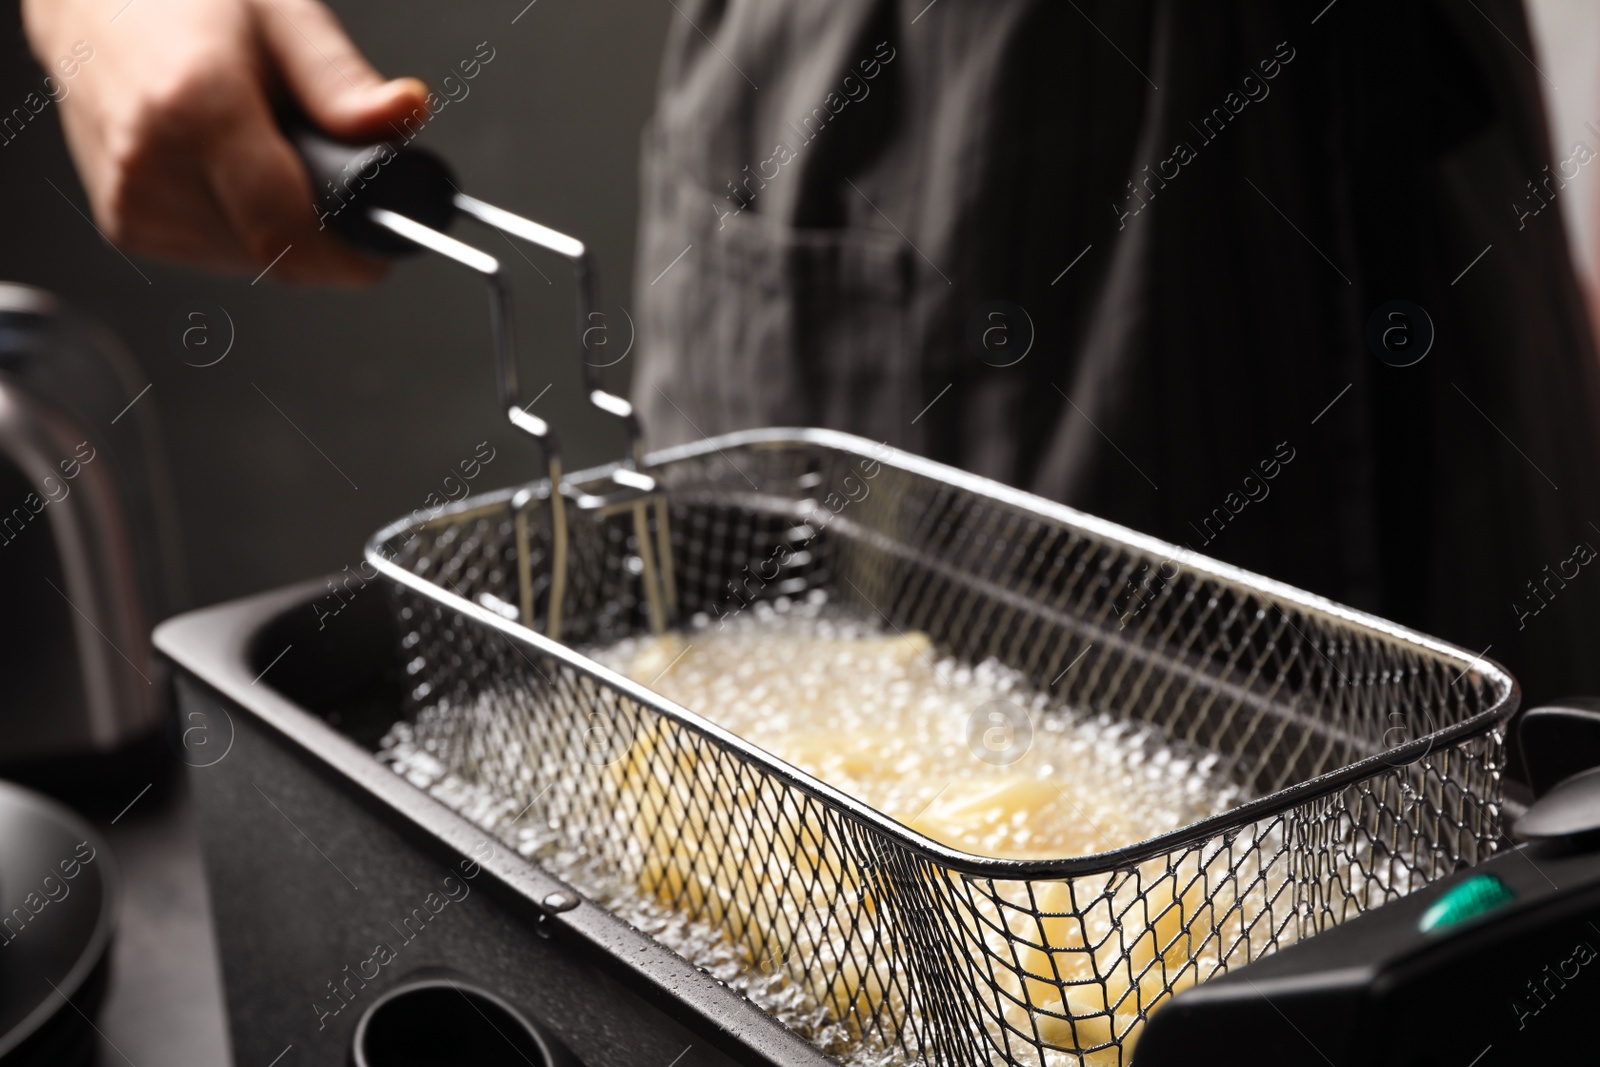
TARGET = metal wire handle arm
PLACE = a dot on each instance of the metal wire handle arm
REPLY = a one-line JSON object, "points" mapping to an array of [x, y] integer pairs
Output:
{"points": [[505, 359]]}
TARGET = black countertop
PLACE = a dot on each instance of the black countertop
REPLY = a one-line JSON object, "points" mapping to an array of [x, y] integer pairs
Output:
{"points": [[164, 1004]]}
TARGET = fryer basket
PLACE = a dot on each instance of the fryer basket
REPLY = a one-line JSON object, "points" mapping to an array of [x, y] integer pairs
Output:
{"points": [[1372, 754]]}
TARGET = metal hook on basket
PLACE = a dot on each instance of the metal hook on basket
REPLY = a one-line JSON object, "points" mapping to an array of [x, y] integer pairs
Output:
{"points": [[630, 486], [405, 212]]}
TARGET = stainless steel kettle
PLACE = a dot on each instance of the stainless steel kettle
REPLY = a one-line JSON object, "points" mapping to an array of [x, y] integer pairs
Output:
{"points": [[88, 558]]}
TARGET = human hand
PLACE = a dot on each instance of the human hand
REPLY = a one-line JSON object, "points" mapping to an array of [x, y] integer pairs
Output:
{"points": [[170, 122]]}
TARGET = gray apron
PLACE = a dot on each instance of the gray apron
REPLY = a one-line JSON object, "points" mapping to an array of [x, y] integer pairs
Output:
{"points": [[1125, 254]]}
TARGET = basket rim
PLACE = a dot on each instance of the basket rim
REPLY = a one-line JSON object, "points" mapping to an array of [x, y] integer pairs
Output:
{"points": [[1508, 690]]}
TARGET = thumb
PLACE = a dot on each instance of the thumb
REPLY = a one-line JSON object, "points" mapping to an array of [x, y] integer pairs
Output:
{"points": [[329, 77]]}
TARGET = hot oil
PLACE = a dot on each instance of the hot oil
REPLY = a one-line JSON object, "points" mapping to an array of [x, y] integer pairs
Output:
{"points": [[971, 756]]}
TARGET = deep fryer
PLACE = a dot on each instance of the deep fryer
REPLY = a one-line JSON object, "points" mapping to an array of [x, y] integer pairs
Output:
{"points": [[1373, 754]]}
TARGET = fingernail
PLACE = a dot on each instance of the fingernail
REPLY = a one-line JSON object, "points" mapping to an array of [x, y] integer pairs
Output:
{"points": [[408, 86]]}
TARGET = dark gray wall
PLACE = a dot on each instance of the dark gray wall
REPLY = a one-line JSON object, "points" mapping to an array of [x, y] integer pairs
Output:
{"points": [[392, 384]]}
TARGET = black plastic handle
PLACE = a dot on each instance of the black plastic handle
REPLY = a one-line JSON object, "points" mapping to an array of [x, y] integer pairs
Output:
{"points": [[350, 180], [1559, 740]]}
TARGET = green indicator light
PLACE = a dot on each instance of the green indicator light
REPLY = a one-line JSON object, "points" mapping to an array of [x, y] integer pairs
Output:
{"points": [[1479, 894]]}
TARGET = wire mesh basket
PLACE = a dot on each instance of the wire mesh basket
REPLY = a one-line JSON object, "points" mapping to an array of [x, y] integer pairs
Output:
{"points": [[1372, 754]]}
